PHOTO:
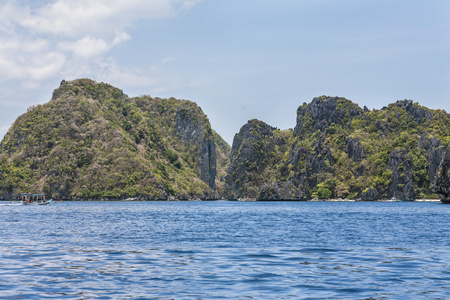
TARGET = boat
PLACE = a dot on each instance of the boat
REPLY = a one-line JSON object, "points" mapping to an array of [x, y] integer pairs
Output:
{"points": [[36, 199]]}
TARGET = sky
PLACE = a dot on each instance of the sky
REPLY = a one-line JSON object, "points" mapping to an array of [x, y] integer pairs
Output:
{"points": [[238, 60]]}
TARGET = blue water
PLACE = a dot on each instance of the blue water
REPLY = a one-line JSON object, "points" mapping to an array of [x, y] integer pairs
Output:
{"points": [[225, 250]]}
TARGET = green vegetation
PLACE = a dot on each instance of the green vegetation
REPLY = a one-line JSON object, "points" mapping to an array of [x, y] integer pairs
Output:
{"points": [[343, 151], [91, 141], [256, 151]]}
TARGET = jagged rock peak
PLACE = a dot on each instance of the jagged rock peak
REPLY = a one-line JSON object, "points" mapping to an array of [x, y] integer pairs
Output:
{"points": [[324, 111], [414, 109], [255, 153], [254, 129]]}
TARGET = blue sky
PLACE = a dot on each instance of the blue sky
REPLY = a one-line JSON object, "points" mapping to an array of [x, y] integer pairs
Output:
{"points": [[238, 60]]}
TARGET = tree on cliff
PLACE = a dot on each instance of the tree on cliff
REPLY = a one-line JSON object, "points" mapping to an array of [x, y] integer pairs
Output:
{"points": [[93, 141], [341, 150]]}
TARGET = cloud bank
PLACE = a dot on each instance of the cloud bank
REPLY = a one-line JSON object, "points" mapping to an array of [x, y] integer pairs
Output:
{"points": [[53, 38]]}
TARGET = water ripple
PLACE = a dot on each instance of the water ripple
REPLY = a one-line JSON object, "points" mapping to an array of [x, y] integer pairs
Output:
{"points": [[194, 251]]}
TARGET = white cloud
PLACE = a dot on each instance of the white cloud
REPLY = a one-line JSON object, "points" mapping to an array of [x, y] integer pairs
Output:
{"points": [[44, 66], [41, 41], [121, 37], [28, 59], [87, 47], [109, 71], [74, 18], [157, 78]]}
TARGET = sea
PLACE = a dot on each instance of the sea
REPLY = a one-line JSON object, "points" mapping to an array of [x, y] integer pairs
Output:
{"points": [[225, 250]]}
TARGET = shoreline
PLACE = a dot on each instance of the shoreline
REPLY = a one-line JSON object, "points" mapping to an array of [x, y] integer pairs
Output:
{"points": [[233, 200]]}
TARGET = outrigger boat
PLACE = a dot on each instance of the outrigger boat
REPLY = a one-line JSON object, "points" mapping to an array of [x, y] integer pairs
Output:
{"points": [[38, 199]]}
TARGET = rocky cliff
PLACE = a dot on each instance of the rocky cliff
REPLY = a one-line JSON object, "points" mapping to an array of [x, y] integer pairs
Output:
{"points": [[441, 182], [257, 149], [323, 112], [339, 150], [92, 141], [401, 165], [190, 127]]}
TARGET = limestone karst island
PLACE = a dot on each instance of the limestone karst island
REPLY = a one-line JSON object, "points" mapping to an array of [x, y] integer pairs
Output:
{"points": [[93, 142]]}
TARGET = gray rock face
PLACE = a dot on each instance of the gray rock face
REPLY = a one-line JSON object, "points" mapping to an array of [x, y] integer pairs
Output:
{"points": [[208, 163], [324, 111], [319, 161], [370, 195], [354, 150], [326, 129], [316, 161], [435, 153], [247, 136], [420, 114], [441, 183], [189, 127], [401, 185], [300, 173], [252, 151]]}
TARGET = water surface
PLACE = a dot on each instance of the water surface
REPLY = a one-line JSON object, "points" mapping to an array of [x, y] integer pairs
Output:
{"points": [[225, 250]]}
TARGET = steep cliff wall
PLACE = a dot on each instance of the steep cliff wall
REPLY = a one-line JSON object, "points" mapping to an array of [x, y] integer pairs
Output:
{"points": [[342, 151], [257, 149], [92, 141], [401, 183], [193, 128], [441, 182]]}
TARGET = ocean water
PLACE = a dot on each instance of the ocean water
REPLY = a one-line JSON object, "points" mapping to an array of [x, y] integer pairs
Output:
{"points": [[225, 250]]}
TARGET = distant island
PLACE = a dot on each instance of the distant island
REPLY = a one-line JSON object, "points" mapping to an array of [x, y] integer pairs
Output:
{"points": [[92, 142]]}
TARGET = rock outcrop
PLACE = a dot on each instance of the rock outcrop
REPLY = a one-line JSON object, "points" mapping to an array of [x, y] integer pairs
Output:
{"points": [[255, 153], [91, 141], [354, 150], [401, 184], [324, 111], [434, 153], [308, 164], [190, 127], [339, 150], [370, 194], [420, 114], [441, 183]]}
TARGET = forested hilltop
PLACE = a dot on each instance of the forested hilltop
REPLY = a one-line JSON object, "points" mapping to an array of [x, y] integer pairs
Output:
{"points": [[340, 150], [91, 141]]}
